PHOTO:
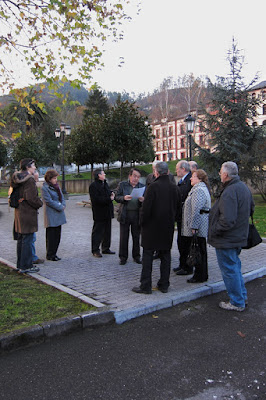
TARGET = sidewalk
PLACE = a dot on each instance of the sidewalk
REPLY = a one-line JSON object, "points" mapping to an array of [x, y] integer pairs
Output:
{"points": [[103, 282]]}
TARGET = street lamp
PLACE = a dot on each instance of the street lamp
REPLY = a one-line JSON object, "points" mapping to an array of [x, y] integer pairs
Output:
{"points": [[60, 133], [190, 122]]}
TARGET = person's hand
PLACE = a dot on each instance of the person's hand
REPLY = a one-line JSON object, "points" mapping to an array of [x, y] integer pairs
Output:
{"points": [[194, 231], [112, 196], [36, 175], [141, 199], [127, 197]]}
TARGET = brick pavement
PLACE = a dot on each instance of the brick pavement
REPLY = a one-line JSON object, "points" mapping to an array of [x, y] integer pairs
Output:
{"points": [[104, 280]]}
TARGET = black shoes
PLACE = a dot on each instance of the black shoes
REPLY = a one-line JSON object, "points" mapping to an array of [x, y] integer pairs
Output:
{"points": [[138, 260], [122, 261], [54, 258], [108, 252], [138, 290], [177, 269], [162, 289], [97, 254], [183, 272], [194, 280]]}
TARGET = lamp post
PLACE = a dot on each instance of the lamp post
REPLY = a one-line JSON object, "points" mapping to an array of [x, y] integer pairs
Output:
{"points": [[60, 133], [190, 122]]}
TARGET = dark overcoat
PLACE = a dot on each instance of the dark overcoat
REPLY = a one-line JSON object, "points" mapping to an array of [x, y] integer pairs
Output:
{"points": [[184, 188], [229, 216], [26, 215], [158, 214], [102, 205]]}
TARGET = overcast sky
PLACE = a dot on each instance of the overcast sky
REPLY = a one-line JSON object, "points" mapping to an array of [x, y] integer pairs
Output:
{"points": [[176, 37]]}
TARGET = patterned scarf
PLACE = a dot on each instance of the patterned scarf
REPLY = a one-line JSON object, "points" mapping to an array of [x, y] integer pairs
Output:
{"points": [[57, 188]]}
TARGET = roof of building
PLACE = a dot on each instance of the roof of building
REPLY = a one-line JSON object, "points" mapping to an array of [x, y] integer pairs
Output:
{"points": [[260, 85]]}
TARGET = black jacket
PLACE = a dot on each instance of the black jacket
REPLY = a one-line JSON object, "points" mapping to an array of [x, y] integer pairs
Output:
{"points": [[184, 188], [102, 205], [158, 214]]}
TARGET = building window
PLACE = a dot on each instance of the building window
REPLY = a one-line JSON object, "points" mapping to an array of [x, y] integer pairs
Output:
{"points": [[171, 143], [170, 130], [182, 130], [157, 133], [164, 132], [201, 140], [157, 146], [164, 157], [264, 109], [164, 145], [182, 143], [183, 155]]}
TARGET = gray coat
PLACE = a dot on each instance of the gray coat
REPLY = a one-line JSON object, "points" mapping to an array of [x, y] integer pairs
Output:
{"points": [[54, 214], [229, 217], [198, 199]]}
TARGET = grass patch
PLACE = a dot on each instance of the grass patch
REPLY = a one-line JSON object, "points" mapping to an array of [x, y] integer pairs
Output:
{"points": [[25, 302]]}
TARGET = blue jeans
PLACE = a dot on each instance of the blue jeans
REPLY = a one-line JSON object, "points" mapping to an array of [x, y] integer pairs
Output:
{"points": [[34, 256], [230, 266], [24, 250]]}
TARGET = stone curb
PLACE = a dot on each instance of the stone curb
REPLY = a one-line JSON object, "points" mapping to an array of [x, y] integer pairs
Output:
{"points": [[62, 326], [171, 300]]}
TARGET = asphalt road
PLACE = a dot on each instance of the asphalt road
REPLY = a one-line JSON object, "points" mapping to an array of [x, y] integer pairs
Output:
{"points": [[194, 351]]}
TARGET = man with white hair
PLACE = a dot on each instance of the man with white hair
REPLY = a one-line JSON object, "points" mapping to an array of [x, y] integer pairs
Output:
{"points": [[193, 166], [228, 232]]}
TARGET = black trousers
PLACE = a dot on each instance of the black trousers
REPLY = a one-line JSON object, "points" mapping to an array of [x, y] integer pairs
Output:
{"points": [[183, 244], [132, 221], [165, 266], [53, 236], [201, 270], [101, 235]]}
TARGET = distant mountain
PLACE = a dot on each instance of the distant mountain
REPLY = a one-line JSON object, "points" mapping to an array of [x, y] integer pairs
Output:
{"points": [[47, 96]]}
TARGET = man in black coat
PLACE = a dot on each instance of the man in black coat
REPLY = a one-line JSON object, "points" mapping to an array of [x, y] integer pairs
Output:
{"points": [[157, 216], [103, 212], [184, 186]]}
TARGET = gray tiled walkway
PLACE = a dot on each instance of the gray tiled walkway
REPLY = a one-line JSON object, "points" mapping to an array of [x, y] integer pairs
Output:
{"points": [[104, 280]]}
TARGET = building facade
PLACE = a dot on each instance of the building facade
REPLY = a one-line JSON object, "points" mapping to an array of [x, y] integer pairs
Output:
{"points": [[171, 140]]}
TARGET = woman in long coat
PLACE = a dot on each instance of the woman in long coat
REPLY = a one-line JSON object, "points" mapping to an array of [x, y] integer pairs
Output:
{"points": [[54, 215], [195, 220]]}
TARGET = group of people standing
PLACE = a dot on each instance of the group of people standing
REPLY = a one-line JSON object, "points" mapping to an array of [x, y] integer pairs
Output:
{"points": [[149, 213], [152, 215], [26, 215]]}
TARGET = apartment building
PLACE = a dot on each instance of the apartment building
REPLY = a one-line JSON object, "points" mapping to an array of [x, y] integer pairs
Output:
{"points": [[171, 138]]}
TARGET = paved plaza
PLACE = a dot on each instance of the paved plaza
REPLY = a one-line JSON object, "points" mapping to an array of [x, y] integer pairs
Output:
{"points": [[102, 281]]}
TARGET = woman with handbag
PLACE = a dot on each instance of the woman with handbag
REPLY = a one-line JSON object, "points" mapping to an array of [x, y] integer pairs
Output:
{"points": [[195, 221], [54, 214]]}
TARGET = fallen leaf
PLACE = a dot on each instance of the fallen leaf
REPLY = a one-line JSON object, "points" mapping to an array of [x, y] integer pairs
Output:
{"points": [[241, 334], [155, 316]]}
